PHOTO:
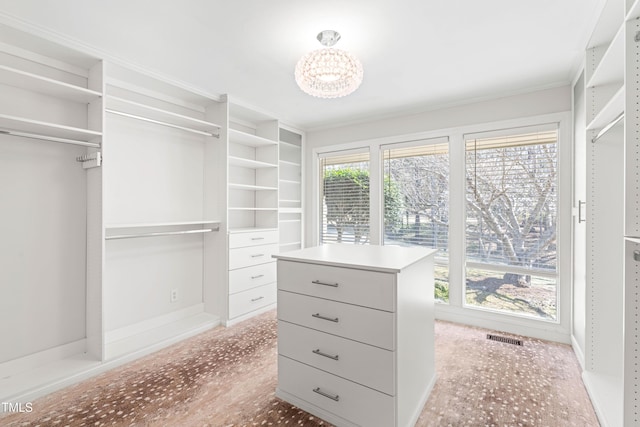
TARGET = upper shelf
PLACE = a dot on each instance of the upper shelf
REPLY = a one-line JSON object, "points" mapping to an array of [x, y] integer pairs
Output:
{"points": [[47, 129], [46, 86], [610, 69], [122, 105], [249, 139], [609, 112], [249, 163]]}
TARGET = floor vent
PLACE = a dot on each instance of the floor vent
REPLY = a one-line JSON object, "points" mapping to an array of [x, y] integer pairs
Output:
{"points": [[504, 339]]}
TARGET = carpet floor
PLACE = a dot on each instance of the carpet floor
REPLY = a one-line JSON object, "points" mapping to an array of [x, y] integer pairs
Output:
{"points": [[227, 377]]}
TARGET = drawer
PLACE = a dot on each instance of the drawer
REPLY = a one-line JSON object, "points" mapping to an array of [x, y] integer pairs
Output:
{"points": [[366, 325], [358, 404], [361, 287], [252, 255], [361, 363], [252, 238], [253, 299], [251, 277]]}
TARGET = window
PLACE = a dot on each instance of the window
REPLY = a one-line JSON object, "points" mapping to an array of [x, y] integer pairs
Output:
{"points": [[416, 201], [511, 220], [344, 188]]}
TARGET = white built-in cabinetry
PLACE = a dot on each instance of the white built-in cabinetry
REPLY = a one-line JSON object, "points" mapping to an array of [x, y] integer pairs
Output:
{"points": [[612, 341], [136, 211], [290, 183]]}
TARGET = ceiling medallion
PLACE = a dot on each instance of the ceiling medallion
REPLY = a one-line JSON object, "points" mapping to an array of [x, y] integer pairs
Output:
{"points": [[328, 72]]}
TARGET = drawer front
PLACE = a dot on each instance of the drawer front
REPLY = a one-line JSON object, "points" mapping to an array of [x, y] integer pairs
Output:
{"points": [[361, 363], [361, 287], [362, 324], [358, 404], [252, 255], [253, 299], [242, 279], [252, 238]]}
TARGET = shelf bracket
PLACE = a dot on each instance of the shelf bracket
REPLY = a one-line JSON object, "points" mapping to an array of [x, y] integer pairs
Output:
{"points": [[91, 160]]}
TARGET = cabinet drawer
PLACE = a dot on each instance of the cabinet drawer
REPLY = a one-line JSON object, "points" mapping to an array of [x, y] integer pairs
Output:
{"points": [[361, 363], [242, 279], [252, 238], [362, 324], [252, 255], [361, 287], [253, 299], [358, 404]]}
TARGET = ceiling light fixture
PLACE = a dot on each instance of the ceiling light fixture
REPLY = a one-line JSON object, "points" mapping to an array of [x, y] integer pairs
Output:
{"points": [[328, 72]]}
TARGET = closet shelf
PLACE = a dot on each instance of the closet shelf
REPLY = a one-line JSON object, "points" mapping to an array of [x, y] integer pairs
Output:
{"points": [[160, 224], [610, 69], [252, 209], [291, 210], [287, 162], [251, 187], [609, 112], [248, 139], [46, 86], [250, 229], [288, 144], [46, 129], [634, 11], [163, 117], [249, 163], [289, 181], [632, 239]]}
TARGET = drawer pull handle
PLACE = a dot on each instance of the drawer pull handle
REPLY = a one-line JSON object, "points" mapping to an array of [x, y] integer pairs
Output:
{"points": [[325, 394], [257, 255], [256, 299], [257, 238], [318, 352], [319, 316], [257, 277], [318, 282]]}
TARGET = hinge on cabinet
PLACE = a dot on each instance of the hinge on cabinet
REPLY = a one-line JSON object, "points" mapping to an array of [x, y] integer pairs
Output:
{"points": [[91, 160]]}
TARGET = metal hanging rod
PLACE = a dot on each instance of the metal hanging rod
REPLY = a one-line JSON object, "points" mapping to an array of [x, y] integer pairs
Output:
{"points": [[163, 233], [158, 122], [607, 127], [49, 138]]}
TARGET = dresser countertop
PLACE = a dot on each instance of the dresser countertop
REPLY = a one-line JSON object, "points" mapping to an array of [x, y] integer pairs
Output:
{"points": [[388, 259]]}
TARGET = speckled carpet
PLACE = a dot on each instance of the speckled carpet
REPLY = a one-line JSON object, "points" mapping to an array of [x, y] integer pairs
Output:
{"points": [[227, 377]]}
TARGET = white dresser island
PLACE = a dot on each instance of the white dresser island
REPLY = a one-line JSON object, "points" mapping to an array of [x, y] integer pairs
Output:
{"points": [[355, 333]]}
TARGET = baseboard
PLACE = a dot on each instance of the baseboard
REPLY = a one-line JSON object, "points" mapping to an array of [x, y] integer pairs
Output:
{"points": [[249, 315], [606, 397], [544, 330], [35, 360], [578, 352], [153, 323]]}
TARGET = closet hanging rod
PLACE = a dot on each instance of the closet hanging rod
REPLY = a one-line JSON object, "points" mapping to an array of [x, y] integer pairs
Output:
{"points": [[158, 122], [162, 233], [48, 138], [607, 127]]}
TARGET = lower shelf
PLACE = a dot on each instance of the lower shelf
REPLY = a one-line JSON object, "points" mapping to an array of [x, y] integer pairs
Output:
{"points": [[32, 382], [606, 393]]}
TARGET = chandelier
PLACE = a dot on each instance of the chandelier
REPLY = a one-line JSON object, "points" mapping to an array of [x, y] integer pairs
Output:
{"points": [[328, 72]]}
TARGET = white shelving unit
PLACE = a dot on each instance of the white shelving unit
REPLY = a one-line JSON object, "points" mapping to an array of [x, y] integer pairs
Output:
{"points": [[290, 182], [612, 344], [252, 211], [50, 115]]}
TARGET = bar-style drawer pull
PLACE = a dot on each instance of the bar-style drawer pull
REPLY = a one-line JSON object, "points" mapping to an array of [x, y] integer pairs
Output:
{"points": [[257, 255], [318, 282], [319, 316], [257, 277], [256, 299], [320, 353], [257, 238], [325, 394]]}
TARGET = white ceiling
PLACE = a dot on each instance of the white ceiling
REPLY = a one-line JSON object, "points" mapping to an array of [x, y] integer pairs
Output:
{"points": [[417, 54]]}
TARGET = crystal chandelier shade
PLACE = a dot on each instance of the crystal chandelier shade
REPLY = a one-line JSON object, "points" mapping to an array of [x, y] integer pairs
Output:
{"points": [[328, 72]]}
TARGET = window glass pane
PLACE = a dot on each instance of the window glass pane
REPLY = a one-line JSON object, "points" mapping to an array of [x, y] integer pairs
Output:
{"points": [[345, 198], [511, 221], [416, 203]]}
